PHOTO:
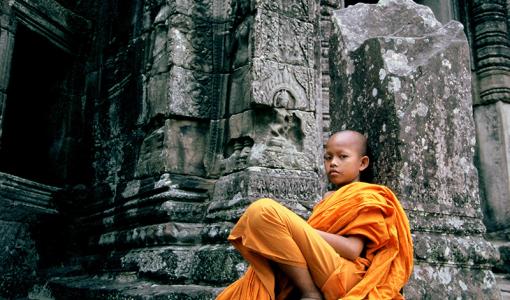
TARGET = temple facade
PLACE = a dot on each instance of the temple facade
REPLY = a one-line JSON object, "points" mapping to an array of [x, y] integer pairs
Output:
{"points": [[133, 134]]}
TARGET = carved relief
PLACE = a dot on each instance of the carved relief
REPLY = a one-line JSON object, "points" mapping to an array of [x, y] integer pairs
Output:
{"points": [[284, 40], [285, 131], [299, 9], [284, 91], [237, 154]]}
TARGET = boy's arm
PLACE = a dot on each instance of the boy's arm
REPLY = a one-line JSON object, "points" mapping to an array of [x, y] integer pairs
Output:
{"points": [[349, 247]]}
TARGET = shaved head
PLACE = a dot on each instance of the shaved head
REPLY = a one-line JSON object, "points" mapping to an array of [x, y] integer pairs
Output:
{"points": [[355, 138]]}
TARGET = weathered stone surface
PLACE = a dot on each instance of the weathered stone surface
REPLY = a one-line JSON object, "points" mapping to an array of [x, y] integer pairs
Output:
{"points": [[411, 79], [272, 84], [18, 260], [218, 11], [149, 212], [6, 48], [296, 9], [151, 235], [182, 41], [415, 89], [298, 190], [218, 264], [450, 282], [270, 137], [493, 122], [171, 263], [126, 287], [61, 26], [23, 200], [175, 147], [181, 92], [284, 40], [216, 232]]}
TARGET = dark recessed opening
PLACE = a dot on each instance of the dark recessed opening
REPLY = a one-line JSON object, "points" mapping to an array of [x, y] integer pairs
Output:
{"points": [[352, 2], [34, 109]]}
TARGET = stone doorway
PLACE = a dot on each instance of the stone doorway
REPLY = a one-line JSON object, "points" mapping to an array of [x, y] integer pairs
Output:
{"points": [[33, 130]]}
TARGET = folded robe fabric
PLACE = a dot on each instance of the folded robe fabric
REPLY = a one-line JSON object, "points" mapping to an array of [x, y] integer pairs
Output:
{"points": [[361, 209]]}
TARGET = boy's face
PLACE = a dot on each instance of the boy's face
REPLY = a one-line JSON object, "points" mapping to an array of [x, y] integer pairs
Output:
{"points": [[343, 160]]}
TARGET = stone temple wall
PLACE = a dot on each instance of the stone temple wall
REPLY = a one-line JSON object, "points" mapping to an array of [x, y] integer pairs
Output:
{"points": [[190, 110]]}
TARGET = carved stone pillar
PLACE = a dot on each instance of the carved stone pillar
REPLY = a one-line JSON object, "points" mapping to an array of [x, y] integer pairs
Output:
{"points": [[271, 136], [403, 78], [492, 109], [270, 140]]}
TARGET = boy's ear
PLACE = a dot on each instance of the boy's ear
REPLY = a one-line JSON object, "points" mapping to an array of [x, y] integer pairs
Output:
{"points": [[364, 163]]}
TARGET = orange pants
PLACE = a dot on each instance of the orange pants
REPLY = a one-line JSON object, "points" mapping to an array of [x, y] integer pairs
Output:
{"points": [[268, 231]]}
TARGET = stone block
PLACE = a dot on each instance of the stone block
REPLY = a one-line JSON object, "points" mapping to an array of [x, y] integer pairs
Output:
{"points": [[217, 11], [284, 40], [190, 43], [304, 10], [298, 190], [178, 147], [493, 134], [150, 235], [181, 40], [416, 91], [218, 264], [183, 92], [450, 282], [406, 84], [172, 263], [273, 138], [272, 84]]}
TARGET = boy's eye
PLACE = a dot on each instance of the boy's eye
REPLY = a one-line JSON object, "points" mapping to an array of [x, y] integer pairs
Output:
{"points": [[327, 157]]}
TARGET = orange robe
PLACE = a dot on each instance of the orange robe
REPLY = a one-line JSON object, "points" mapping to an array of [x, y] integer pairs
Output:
{"points": [[267, 232]]}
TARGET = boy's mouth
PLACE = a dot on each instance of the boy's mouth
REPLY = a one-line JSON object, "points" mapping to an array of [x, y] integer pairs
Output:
{"points": [[333, 172]]}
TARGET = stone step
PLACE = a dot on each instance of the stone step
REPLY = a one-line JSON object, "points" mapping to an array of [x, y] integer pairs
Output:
{"points": [[215, 265], [125, 286]]}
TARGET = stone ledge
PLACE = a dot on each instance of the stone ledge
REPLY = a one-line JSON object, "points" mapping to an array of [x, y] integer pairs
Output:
{"points": [[125, 286], [22, 199]]}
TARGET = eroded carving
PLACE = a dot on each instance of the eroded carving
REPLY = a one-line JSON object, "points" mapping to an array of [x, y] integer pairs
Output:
{"points": [[283, 90]]}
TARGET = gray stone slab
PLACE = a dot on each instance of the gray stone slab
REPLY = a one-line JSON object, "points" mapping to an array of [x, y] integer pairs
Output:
{"points": [[493, 123]]}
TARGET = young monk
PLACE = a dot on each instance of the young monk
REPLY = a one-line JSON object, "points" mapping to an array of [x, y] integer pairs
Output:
{"points": [[355, 245]]}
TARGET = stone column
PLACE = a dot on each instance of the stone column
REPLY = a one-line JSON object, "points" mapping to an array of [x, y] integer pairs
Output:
{"points": [[403, 79], [7, 29], [492, 109], [271, 138]]}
